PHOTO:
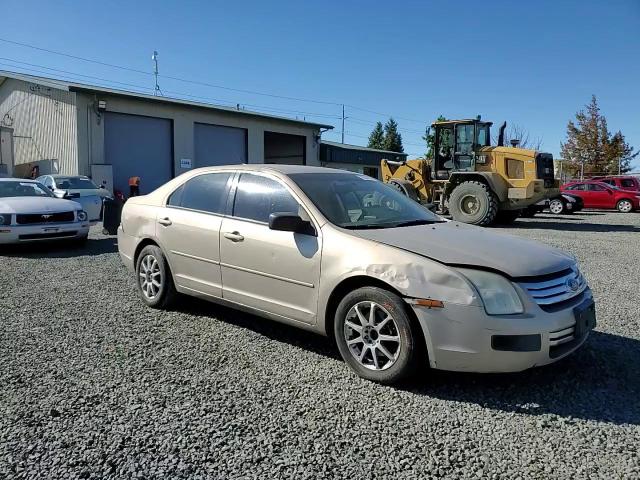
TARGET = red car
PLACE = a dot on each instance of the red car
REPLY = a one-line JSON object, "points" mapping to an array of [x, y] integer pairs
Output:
{"points": [[623, 182], [601, 195]]}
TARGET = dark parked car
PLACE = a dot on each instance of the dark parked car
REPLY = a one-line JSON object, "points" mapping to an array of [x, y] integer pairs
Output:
{"points": [[563, 203]]}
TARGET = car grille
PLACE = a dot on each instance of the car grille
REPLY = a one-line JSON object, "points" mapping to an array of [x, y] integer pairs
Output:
{"points": [[556, 289], [36, 218], [47, 236]]}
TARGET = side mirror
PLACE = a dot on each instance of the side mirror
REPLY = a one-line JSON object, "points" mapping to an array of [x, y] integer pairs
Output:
{"points": [[50, 187], [290, 222], [102, 187]]}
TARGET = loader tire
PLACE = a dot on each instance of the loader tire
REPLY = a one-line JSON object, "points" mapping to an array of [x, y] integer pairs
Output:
{"points": [[473, 202]]}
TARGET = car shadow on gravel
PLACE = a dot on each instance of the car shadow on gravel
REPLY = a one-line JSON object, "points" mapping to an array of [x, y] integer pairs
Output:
{"points": [[573, 227], [600, 381], [276, 331], [597, 382], [97, 246]]}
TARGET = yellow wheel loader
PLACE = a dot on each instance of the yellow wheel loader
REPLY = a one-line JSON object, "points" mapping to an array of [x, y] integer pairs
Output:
{"points": [[471, 180]]}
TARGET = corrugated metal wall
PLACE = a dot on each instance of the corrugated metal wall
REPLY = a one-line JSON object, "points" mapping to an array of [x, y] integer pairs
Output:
{"points": [[44, 125]]}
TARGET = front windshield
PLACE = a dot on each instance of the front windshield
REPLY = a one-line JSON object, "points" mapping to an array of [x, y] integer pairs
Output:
{"points": [[358, 201], [23, 189], [75, 183]]}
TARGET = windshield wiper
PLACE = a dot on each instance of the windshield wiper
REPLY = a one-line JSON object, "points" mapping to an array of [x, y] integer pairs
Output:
{"points": [[411, 223]]}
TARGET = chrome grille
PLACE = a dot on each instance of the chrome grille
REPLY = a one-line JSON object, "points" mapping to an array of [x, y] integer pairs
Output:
{"points": [[36, 218], [563, 287]]}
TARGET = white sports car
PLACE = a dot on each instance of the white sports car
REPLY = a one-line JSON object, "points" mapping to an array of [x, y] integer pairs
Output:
{"points": [[30, 212]]}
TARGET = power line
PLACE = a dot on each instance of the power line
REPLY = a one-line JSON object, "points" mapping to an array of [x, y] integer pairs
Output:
{"points": [[131, 85], [196, 82]]}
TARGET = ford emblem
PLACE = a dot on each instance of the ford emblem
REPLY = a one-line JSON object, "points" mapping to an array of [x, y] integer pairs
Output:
{"points": [[573, 284]]}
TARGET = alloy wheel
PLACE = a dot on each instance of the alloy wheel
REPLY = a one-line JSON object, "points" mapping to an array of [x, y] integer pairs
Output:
{"points": [[150, 277], [372, 335], [624, 206], [556, 207]]}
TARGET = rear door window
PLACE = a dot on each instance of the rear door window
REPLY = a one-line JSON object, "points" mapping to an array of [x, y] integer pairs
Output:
{"points": [[627, 183], [206, 193], [257, 197]]}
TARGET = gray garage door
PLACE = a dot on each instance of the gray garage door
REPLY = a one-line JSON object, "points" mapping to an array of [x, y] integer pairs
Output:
{"points": [[138, 146], [217, 145]]}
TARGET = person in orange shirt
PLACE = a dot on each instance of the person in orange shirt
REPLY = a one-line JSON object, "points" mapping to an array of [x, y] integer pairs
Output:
{"points": [[134, 186]]}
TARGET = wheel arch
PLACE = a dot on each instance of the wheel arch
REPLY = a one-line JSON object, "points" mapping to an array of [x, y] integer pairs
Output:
{"points": [[497, 186], [352, 283], [143, 243]]}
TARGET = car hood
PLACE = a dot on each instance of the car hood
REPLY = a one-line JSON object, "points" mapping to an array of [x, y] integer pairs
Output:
{"points": [[36, 205], [458, 244]]}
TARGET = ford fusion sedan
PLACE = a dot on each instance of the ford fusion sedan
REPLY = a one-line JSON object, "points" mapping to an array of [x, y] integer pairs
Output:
{"points": [[346, 256], [29, 212]]}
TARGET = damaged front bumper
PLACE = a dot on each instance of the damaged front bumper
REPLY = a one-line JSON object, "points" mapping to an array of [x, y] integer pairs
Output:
{"points": [[465, 338]]}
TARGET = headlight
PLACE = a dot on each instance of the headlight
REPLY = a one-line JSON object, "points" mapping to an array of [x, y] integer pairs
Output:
{"points": [[82, 215], [497, 293], [5, 219]]}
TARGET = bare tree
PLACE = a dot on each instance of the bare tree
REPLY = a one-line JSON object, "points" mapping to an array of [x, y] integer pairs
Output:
{"points": [[521, 134]]}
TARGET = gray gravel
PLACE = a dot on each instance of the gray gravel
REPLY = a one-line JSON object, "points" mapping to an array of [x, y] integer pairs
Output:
{"points": [[94, 385]]}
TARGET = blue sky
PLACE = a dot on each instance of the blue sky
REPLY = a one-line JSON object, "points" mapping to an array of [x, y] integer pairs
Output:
{"points": [[530, 63]]}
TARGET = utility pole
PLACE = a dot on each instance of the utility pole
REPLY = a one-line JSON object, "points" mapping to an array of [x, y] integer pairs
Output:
{"points": [[343, 123], [154, 57]]}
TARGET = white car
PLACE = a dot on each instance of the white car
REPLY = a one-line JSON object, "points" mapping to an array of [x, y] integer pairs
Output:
{"points": [[79, 188], [30, 212]]}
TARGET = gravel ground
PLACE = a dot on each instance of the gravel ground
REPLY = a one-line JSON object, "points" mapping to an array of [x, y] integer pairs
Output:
{"points": [[95, 385]]}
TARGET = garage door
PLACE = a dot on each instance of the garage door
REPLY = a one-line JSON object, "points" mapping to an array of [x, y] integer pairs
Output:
{"points": [[218, 145], [138, 146]]}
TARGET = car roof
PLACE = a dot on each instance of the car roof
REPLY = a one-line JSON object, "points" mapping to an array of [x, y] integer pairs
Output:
{"points": [[61, 175], [283, 169]]}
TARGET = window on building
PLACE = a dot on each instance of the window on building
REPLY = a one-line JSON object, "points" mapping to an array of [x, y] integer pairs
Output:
{"points": [[257, 197], [207, 193]]}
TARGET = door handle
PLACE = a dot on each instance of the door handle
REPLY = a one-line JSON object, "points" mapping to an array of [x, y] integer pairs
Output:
{"points": [[164, 221], [233, 236]]}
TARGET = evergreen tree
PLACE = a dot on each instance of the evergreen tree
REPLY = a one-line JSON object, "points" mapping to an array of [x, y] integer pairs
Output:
{"points": [[591, 146], [430, 137], [376, 139], [392, 138]]}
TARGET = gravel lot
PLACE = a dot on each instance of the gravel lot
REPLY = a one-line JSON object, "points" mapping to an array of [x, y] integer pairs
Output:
{"points": [[94, 385]]}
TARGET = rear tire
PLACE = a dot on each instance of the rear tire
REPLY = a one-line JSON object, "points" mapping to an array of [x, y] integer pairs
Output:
{"points": [[383, 347], [154, 279], [472, 202], [624, 206]]}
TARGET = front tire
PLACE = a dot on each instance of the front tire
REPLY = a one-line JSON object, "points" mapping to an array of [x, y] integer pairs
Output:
{"points": [[154, 279], [624, 206], [376, 337], [556, 206], [473, 202]]}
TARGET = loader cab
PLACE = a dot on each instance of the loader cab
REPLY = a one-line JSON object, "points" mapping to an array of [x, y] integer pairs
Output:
{"points": [[455, 145]]}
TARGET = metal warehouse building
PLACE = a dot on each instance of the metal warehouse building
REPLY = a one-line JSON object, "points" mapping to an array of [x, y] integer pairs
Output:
{"points": [[355, 158], [72, 128]]}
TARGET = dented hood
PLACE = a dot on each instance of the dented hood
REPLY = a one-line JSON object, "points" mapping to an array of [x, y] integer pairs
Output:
{"points": [[454, 243]]}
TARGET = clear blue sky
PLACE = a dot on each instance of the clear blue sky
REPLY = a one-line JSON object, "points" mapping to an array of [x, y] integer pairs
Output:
{"points": [[530, 63]]}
